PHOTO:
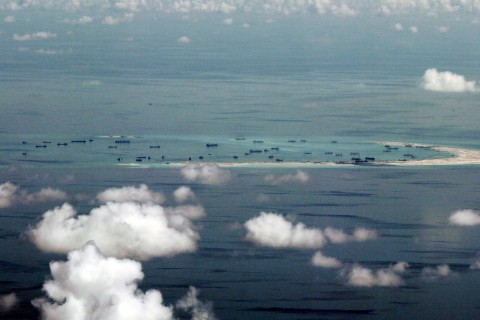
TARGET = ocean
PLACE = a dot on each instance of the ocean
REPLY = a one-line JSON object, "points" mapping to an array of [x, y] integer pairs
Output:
{"points": [[136, 106]]}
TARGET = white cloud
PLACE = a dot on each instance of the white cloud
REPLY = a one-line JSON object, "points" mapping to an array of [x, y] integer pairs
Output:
{"points": [[228, 21], [183, 194], [359, 276], [91, 286], [42, 35], [45, 194], [48, 52], [8, 302], [81, 20], [11, 194], [465, 218], [184, 39], [446, 82], [319, 260], [443, 29], [131, 193], [273, 230], [9, 19], [398, 27], [440, 271], [128, 229], [299, 177], [475, 265], [198, 310], [7, 194], [413, 29], [205, 173], [359, 235], [110, 20]]}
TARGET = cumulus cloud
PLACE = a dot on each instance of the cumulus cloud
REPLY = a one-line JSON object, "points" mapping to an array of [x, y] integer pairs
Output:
{"points": [[11, 194], [8, 302], [205, 173], [228, 21], [131, 193], [446, 81], [359, 276], [440, 271], [183, 194], [398, 27], [359, 235], [193, 306], [475, 265], [273, 230], [321, 261], [111, 21], [413, 29], [184, 39], [127, 229], [465, 218], [7, 194], [81, 20], [9, 19], [91, 286], [42, 35], [299, 177], [443, 29]]}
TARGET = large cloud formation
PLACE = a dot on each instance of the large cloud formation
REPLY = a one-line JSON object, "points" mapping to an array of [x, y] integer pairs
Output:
{"points": [[273, 230], [128, 229], [360, 276], [465, 218], [131, 193], [11, 194], [205, 173], [446, 82], [91, 286]]}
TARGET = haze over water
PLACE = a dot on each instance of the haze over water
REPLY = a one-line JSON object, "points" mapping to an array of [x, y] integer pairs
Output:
{"points": [[320, 81]]}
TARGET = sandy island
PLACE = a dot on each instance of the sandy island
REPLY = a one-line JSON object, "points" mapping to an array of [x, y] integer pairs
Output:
{"points": [[458, 156]]}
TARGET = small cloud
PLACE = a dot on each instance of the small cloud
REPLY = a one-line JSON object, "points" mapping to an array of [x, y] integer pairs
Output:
{"points": [[10, 194], [205, 173], [34, 36], [184, 39], [9, 19], [273, 230], [299, 177], [398, 27], [228, 21], [246, 25], [183, 194], [443, 29], [92, 83], [131, 194], [8, 302], [465, 218], [359, 235], [321, 261], [112, 21], [413, 29], [475, 265], [127, 229], [440, 271], [80, 21], [96, 287], [48, 52], [446, 82], [7, 194], [193, 306], [359, 276]]}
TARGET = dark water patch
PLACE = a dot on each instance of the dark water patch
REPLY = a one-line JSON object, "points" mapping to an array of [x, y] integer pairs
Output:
{"points": [[346, 194], [382, 224], [404, 303], [320, 312], [13, 267], [5, 234], [434, 184]]}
